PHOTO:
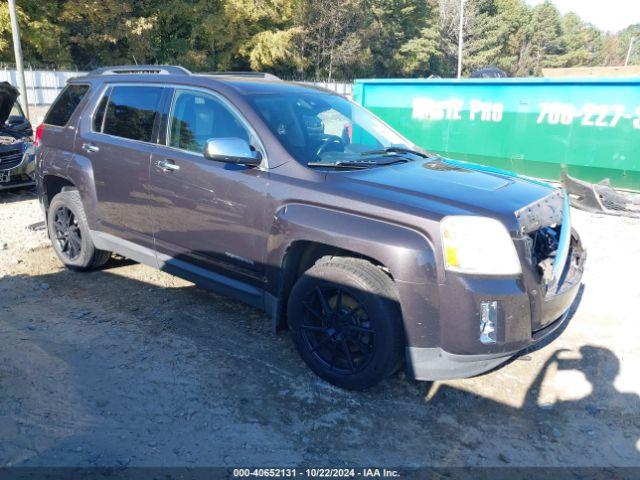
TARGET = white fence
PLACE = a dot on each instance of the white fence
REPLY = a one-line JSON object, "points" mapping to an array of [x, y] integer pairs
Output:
{"points": [[43, 86], [341, 88]]}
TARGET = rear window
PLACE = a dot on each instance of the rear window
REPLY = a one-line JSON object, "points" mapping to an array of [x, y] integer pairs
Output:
{"points": [[66, 103], [131, 112]]}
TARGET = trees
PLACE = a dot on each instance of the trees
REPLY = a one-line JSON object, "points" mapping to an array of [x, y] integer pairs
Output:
{"points": [[421, 55], [541, 40], [581, 43], [311, 38], [329, 40], [42, 40], [615, 47], [95, 33], [493, 31]]}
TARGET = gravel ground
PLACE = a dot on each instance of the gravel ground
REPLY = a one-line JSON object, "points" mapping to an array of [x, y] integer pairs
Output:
{"points": [[130, 366]]}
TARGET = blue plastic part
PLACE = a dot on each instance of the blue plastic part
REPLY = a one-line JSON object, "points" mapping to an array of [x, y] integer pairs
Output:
{"points": [[565, 238], [497, 171]]}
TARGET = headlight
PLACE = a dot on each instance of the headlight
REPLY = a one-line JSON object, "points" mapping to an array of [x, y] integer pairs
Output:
{"points": [[478, 245]]}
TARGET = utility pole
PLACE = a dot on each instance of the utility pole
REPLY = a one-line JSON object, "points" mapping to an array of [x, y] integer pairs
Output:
{"points": [[626, 61], [460, 38], [17, 48]]}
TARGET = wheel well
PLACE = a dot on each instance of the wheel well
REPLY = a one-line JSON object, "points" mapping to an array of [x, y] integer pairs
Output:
{"points": [[302, 255], [52, 185]]}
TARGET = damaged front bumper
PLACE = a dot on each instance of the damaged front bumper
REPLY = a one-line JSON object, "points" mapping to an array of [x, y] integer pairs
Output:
{"points": [[600, 198], [524, 310]]}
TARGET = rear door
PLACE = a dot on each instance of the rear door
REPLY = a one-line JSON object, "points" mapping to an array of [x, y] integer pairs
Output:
{"points": [[118, 139]]}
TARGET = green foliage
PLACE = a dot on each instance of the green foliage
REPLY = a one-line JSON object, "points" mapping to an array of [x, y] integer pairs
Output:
{"points": [[615, 47], [275, 50], [493, 27], [313, 39], [42, 41], [421, 55]]}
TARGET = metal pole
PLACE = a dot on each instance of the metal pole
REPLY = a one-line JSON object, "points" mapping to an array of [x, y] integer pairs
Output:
{"points": [[17, 48], [460, 38], [626, 61]]}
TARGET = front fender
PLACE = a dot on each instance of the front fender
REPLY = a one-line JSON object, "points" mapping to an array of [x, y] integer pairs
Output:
{"points": [[408, 254]]}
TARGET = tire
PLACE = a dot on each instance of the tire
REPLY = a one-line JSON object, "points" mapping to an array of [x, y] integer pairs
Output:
{"points": [[69, 233], [345, 320]]}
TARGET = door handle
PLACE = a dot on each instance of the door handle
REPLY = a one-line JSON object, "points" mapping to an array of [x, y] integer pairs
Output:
{"points": [[167, 165], [90, 148]]}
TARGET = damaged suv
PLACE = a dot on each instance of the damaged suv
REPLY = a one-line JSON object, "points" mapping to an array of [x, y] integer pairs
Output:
{"points": [[16, 152], [373, 252]]}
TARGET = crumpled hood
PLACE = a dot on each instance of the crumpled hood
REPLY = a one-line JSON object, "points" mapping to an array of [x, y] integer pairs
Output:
{"points": [[8, 97], [447, 187]]}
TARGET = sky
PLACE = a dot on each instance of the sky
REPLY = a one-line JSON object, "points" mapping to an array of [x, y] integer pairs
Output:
{"points": [[609, 15]]}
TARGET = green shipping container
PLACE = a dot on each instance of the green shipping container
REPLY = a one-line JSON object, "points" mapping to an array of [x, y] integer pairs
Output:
{"points": [[537, 127]]}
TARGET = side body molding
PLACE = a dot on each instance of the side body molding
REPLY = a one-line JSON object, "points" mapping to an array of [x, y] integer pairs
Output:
{"points": [[406, 253]]}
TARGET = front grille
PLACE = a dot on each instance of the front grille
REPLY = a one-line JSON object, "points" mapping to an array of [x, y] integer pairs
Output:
{"points": [[10, 159]]}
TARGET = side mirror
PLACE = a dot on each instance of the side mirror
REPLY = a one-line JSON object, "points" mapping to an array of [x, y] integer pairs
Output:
{"points": [[232, 150]]}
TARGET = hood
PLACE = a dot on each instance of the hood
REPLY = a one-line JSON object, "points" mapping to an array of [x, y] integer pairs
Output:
{"points": [[8, 96], [447, 187]]}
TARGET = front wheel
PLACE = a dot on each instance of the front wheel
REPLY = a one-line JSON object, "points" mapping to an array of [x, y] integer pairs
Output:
{"points": [[69, 233], [345, 321]]}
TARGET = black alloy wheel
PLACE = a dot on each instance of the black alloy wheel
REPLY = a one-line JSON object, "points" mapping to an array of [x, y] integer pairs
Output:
{"points": [[346, 323], [67, 233], [70, 234], [337, 330]]}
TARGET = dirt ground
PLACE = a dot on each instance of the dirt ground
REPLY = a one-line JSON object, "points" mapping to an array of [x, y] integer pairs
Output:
{"points": [[130, 366]]}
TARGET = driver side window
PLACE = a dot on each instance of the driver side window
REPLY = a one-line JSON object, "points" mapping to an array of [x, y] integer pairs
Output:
{"points": [[196, 117]]}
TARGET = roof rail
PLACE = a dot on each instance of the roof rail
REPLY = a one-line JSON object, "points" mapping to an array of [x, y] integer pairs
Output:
{"points": [[266, 76], [141, 69]]}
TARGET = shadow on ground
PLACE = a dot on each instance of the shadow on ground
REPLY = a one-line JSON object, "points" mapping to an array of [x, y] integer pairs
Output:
{"points": [[100, 369]]}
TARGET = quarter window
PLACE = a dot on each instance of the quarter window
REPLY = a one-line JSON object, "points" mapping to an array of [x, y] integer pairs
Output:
{"points": [[197, 117], [66, 103], [131, 112]]}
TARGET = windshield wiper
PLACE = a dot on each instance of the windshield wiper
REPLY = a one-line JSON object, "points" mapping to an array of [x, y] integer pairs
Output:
{"points": [[357, 163], [387, 150]]}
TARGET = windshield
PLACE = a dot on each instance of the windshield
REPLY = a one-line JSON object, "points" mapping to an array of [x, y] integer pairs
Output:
{"points": [[319, 127]]}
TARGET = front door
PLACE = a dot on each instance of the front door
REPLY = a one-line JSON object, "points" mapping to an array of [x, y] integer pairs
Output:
{"points": [[206, 213], [118, 141]]}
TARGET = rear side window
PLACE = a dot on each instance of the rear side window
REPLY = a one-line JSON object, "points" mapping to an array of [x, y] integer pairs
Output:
{"points": [[131, 112], [66, 103]]}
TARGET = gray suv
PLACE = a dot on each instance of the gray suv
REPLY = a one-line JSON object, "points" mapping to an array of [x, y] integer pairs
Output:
{"points": [[373, 252]]}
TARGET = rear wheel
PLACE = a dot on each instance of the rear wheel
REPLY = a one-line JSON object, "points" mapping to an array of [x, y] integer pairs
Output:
{"points": [[346, 322], [69, 233]]}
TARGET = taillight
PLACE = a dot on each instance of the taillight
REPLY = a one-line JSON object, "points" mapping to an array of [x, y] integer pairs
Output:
{"points": [[38, 137]]}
